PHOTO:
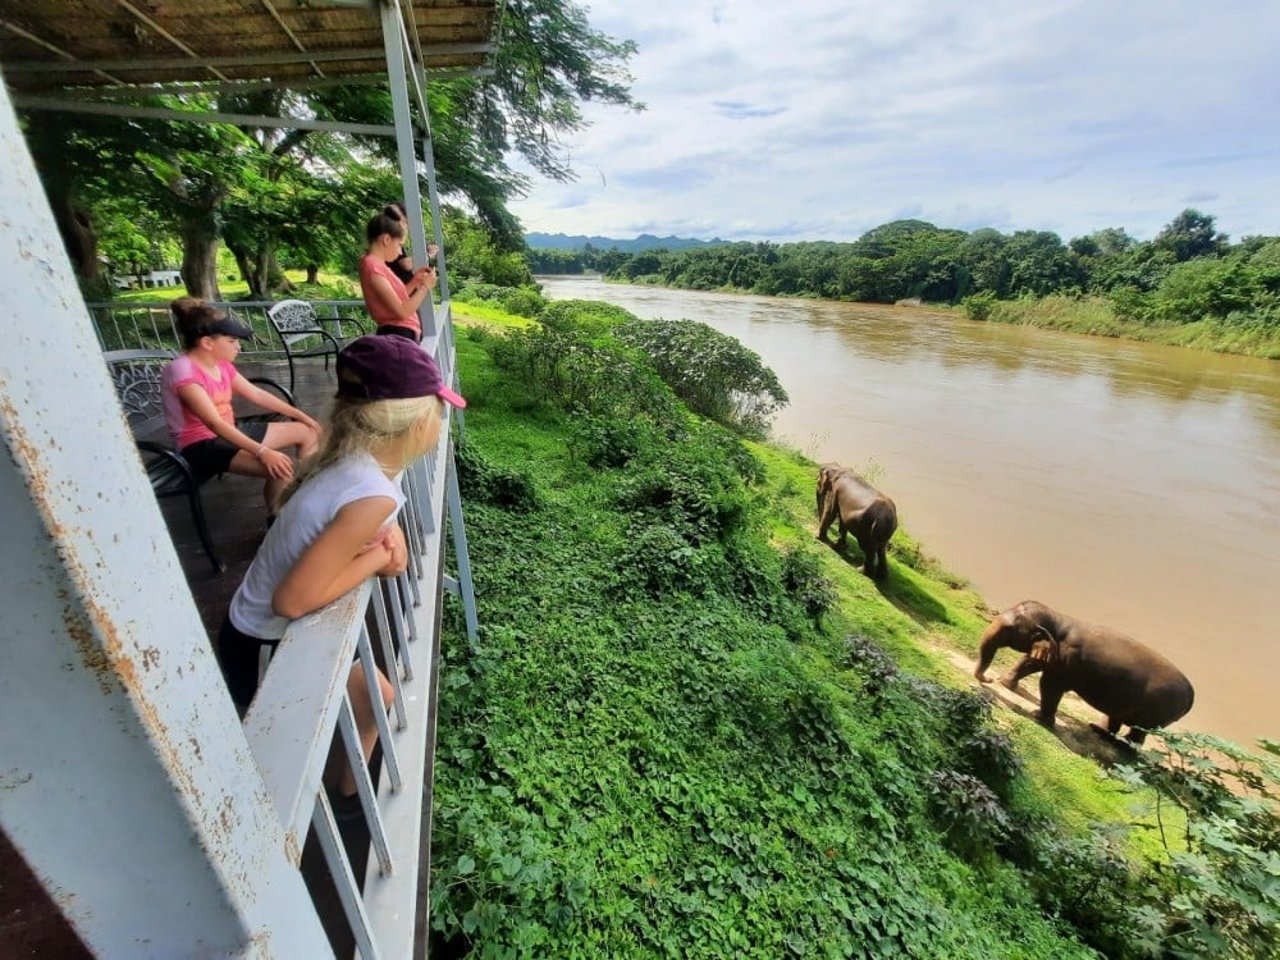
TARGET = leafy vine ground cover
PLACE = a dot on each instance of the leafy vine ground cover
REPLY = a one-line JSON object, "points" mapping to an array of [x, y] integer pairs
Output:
{"points": [[686, 729]]}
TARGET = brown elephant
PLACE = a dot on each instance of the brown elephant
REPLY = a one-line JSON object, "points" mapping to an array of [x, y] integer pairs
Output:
{"points": [[847, 499], [1126, 680]]}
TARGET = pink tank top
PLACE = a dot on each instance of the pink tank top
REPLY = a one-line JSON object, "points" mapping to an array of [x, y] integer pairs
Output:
{"points": [[184, 426], [371, 267]]}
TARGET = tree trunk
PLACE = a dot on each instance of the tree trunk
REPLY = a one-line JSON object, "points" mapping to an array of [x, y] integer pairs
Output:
{"points": [[274, 279], [313, 273], [78, 235], [199, 231], [248, 270]]}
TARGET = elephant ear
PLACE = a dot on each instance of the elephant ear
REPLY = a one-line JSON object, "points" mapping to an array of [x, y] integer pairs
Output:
{"points": [[1044, 647]]}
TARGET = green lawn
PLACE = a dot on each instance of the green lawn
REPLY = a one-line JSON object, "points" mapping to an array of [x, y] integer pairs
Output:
{"points": [[332, 286]]}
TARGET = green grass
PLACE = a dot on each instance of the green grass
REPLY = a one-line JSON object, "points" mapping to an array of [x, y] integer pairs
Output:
{"points": [[697, 769], [480, 312], [331, 286]]}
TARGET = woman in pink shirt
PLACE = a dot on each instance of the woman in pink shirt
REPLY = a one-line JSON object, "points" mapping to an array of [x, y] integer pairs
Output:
{"points": [[392, 303], [197, 390]]}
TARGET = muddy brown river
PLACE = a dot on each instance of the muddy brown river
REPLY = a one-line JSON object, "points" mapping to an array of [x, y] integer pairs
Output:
{"points": [[1123, 483]]}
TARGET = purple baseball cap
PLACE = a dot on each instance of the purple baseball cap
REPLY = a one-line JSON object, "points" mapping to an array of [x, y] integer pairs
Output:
{"points": [[390, 368]]}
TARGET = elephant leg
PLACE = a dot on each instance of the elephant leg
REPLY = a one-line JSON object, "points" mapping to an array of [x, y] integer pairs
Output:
{"points": [[842, 542], [1051, 691], [1112, 727], [868, 555], [882, 569], [1135, 735], [825, 516], [1020, 670]]}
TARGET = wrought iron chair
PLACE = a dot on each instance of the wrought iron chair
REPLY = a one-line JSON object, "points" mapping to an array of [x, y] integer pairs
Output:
{"points": [[136, 375], [303, 334]]}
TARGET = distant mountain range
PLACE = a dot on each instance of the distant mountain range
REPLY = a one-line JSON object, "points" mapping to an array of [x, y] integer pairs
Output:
{"points": [[646, 241]]}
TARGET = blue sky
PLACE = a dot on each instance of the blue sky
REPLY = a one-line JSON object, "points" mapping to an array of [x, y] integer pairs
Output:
{"points": [[818, 119]]}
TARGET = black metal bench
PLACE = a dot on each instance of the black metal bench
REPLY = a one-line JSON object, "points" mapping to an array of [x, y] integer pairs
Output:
{"points": [[136, 375]]}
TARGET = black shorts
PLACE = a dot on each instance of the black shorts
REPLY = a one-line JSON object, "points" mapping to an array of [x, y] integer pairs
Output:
{"points": [[209, 458], [391, 330], [239, 656]]}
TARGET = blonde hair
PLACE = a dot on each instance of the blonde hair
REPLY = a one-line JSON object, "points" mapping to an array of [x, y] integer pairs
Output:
{"points": [[363, 425]]}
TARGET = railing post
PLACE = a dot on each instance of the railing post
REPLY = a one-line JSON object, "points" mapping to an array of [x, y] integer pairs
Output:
{"points": [[397, 77], [126, 783], [460, 553]]}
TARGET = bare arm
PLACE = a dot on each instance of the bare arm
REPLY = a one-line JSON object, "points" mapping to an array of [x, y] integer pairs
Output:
{"points": [[338, 560], [381, 290], [195, 399], [269, 401]]}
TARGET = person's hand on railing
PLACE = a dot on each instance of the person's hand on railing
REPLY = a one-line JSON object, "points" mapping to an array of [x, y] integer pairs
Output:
{"points": [[390, 541]]}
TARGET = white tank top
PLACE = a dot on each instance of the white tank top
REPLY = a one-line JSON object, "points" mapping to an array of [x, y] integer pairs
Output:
{"points": [[311, 509]]}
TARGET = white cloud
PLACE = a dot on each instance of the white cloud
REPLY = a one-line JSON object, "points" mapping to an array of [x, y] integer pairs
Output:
{"points": [[822, 118]]}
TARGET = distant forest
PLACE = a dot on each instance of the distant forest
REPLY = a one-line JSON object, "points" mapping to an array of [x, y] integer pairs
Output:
{"points": [[645, 241], [1189, 271]]}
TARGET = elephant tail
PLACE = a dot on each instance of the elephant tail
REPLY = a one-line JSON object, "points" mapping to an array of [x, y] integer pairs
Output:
{"points": [[884, 522]]}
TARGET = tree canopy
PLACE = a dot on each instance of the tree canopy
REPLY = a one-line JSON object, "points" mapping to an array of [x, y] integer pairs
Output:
{"points": [[306, 194]]}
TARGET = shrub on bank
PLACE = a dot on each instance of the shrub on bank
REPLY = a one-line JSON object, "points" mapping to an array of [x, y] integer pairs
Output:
{"points": [[712, 373], [521, 301]]}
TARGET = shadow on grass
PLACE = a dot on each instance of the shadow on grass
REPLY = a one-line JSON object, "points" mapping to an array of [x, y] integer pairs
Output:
{"points": [[1078, 736], [916, 603]]}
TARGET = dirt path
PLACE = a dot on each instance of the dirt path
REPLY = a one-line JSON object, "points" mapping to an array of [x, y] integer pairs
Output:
{"points": [[1074, 715]]}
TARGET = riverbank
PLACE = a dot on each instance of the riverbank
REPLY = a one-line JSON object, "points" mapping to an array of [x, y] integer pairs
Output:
{"points": [[1094, 316], [688, 729], [1097, 316], [996, 440]]}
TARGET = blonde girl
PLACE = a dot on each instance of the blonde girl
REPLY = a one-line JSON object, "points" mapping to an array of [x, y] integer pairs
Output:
{"points": [[337, 522]]}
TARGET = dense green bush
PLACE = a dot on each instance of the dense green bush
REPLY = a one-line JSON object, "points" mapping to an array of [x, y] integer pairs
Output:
{"points": [[481, 481], [714, 374], [607, 441], [1221, 897], [804, 581], [977, 306], [523, 301], [567, 370], [588, 317], [688, 487]]}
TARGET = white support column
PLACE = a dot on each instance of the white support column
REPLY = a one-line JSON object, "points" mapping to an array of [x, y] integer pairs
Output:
{"points": [[437, 223], [125, 780], [406, 147]]}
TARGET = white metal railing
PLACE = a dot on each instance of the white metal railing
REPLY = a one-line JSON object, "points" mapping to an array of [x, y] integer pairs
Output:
{"points": [[128, 325], [303, 701]]}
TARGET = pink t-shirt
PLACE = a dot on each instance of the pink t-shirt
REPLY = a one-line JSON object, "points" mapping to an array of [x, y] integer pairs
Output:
{"points": [[184, 426], [371, 267]]}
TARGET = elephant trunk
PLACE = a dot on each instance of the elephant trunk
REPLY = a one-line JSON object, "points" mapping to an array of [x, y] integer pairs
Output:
{"points": [[987, 650]]}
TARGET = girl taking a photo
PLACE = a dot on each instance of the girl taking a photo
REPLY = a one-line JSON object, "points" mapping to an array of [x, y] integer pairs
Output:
{"points": [[391, 302]]}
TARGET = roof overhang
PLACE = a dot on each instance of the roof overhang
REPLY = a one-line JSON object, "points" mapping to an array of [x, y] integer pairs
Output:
{"points": [[53, 46]]}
